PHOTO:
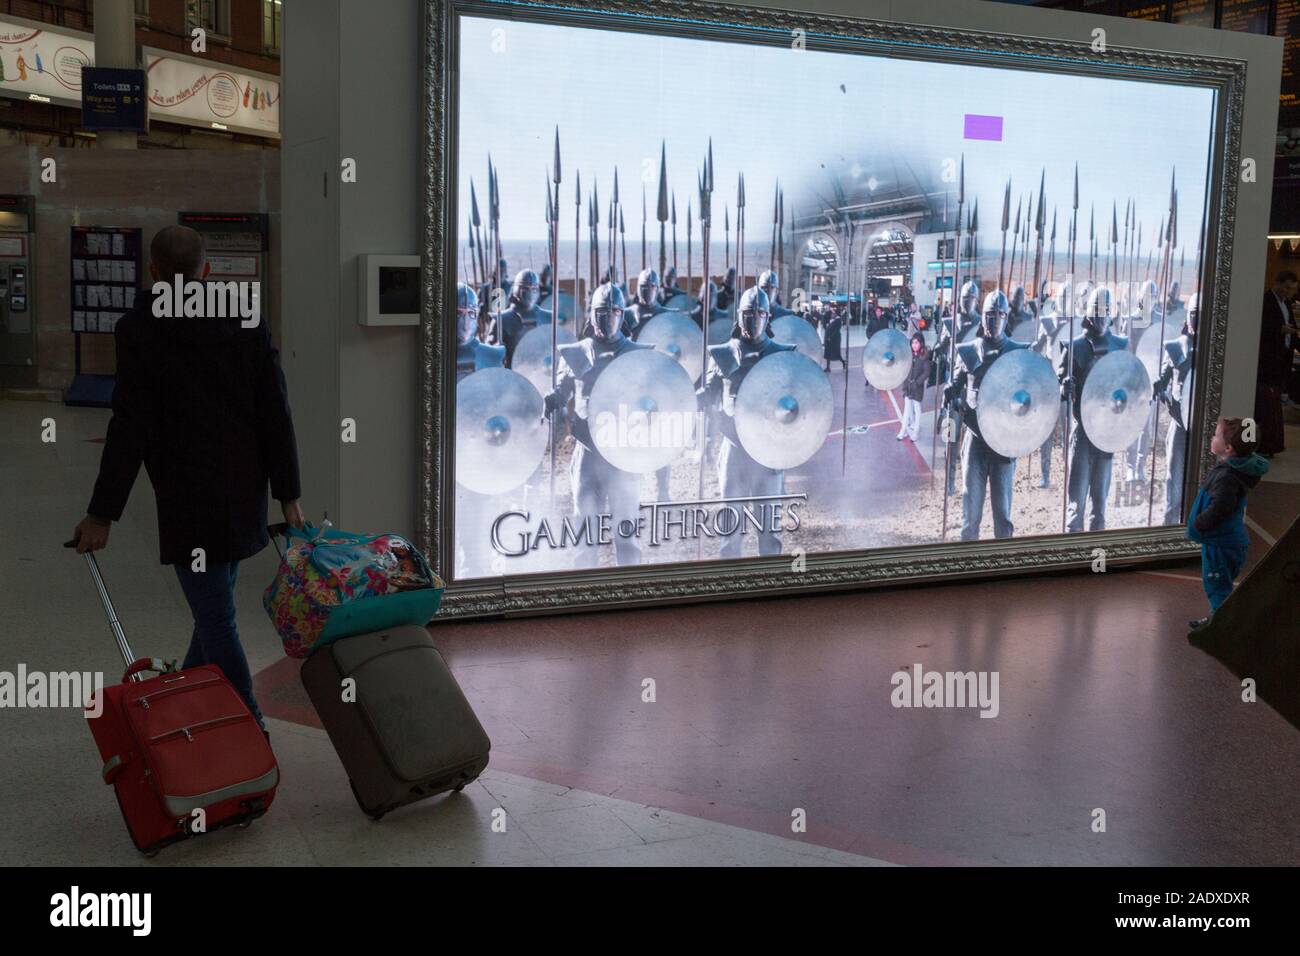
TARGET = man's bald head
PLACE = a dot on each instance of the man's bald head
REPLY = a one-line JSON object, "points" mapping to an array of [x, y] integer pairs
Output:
{"points": [[176, 250]]}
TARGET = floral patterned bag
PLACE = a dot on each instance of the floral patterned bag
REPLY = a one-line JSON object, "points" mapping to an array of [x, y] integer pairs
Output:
{"points": [[334, 584]]}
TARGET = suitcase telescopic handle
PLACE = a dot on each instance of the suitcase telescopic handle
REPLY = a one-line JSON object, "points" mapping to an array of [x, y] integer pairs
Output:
{"points": [[276, 531], [118, 633]]}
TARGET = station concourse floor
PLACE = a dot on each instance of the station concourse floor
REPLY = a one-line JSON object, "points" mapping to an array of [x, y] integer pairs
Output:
{"points": [[764, 708]]}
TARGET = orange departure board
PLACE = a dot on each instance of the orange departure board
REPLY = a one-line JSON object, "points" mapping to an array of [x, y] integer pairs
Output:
{"points": [[1193, 13]]}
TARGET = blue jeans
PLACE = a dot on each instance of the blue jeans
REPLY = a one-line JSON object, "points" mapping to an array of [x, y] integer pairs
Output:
{"points": [[1219, 568], [1089, 481], [983, 468], [211, 596]]}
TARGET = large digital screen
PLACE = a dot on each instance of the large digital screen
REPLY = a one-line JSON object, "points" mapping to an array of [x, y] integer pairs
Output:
{"points": [[718, 300]]}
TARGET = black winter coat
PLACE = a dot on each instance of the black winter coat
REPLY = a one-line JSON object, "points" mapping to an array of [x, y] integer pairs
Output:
{"points": [[831, 350], [202, 404], [918, 377]]}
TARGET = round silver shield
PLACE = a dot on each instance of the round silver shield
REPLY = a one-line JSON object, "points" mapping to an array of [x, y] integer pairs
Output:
{"points": [[720, 331], [500, 434], [792, 330], [1148, 349], [887, 358], [566, 308], [681, 302], [674, 334], [1019, 400], [532, 358], [642, 411], [1115, 401], [783, 410]]}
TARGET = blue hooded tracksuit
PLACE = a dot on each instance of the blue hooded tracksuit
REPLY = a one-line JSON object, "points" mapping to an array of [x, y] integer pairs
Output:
{"points": [[1217, 523]]}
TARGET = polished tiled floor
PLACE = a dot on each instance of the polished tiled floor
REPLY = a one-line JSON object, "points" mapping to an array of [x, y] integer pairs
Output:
{"points": [[764, 708]]}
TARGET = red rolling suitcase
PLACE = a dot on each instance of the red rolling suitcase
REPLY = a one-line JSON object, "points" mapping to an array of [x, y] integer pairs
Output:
{"points": [[182, 750]]}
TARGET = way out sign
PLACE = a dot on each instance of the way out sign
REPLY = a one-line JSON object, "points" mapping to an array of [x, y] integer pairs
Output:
{"points": [[114, 99]]}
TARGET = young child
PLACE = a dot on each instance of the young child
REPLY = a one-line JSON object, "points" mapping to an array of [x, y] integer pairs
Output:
{"points": [[914, 389], [1217, 519]]}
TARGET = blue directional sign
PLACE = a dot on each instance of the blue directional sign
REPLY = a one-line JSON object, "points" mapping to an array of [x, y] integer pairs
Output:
{"points": [[114, 99]]}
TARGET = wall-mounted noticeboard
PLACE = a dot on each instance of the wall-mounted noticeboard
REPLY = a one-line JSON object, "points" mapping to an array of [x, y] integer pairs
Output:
{"points": [[105, 270]]}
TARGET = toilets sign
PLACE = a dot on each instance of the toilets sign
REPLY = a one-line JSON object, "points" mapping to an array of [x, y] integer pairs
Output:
{"points": [[114, 99]]}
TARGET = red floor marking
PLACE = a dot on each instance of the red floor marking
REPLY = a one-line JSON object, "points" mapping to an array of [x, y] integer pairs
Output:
{"points": [[911, 445]]}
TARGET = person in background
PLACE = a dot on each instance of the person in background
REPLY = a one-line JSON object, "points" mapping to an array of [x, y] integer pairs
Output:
{"points": [[1291, 339], [918, 376], [201, 403], [1217, 521], [1274, 363], [832, 338]]}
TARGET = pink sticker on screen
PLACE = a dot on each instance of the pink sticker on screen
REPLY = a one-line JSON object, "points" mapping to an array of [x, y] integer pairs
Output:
{"points": [[983, 127]]}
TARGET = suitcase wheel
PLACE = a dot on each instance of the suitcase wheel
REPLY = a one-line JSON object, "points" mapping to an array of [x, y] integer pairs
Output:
{"points": [[376, 816]]}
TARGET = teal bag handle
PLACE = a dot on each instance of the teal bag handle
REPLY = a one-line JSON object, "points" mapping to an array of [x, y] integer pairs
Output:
{"points": [[317, 535], [333, 548]]}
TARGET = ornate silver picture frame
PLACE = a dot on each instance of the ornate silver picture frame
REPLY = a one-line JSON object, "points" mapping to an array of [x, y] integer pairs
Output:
{"points": [[605, 587]]}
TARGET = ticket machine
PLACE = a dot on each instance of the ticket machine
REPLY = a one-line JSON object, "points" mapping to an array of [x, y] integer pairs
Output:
{"points": [[237, 245], [17, 291]]}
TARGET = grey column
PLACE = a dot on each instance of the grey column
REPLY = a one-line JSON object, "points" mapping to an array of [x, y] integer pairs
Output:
{"points": [[115, 47]]}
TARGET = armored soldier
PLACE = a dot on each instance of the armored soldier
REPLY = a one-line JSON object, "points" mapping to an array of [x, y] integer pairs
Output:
{"points": [[473, 509], [1145, 307], [720, 298], [1090, 467], [739, 475], [983, 468], [646, 305], [1021, 310], [598, 487], [472, 351], [522, 313], [727, 294], [1140, 313], [1174, 388], [967, 317], [1050, 321], [671, 288], [771, 286], [641, 311], [1168, 310]]}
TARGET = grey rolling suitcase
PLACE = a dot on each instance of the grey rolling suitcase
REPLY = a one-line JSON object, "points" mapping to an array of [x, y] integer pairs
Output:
{"points": [[410, 733]]}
